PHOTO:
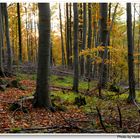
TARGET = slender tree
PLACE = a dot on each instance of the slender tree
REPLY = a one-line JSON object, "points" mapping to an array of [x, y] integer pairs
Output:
{"points": [[89, 66], [62, 41], [3, 26], [109, 20], [67, 35], [1, 40], [9, 49], [103, 36], [82, 63], [19, 33], [42, 94], [70, 33], [138, 50], [75, 49], [131, 96], [27, 35]]}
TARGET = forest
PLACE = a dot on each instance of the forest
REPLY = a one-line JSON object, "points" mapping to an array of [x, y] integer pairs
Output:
{"points": [[69, 68]]}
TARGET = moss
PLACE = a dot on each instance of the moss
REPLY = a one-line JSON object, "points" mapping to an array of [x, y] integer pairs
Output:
{"points": [[67, 81], [61, 81], [69, 96], [15, 130]]}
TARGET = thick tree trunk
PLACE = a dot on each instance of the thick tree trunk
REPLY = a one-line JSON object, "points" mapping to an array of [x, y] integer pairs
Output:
{"points": [[75, 49], [131, 96], [9, 49], [19, 33], [42, 95]]}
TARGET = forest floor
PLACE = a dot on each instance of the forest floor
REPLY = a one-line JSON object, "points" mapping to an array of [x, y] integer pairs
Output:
{"points": [[115, 114]]}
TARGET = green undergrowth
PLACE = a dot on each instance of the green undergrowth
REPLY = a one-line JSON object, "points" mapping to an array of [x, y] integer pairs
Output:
{"points": [[64, 81], [67, 81], [68, 97], [107, 104], [22, 76]]}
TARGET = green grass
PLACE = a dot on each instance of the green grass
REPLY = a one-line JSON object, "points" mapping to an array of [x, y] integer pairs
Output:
{"points": [[61, 81], [67, 81], [68, 97]]}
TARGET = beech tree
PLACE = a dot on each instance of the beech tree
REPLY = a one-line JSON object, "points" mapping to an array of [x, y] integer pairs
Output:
{"points": [[75, 49], [82, 62], [19, 33], [131, 96], [89, 65], [9, 49], [62, 41], [42, 94], [67, 35], [103, 37], [1, 40]]}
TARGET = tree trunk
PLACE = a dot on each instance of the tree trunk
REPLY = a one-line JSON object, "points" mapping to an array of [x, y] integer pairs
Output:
{"points": [[109, 20], [19, 33], [9, 49], [42, 94], [104, 32], [27, 35], [1, 39], [70, 31], [75, 49], [95, 45], [62, 42], [89, 66], [82, 66], [138, 50], [67, 35], [131, 96]]}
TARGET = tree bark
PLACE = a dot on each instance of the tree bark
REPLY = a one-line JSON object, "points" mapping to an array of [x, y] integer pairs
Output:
{"points": [[9, 49], [62, 41], [131, 96], [1, 39], [42, 94], [19, 33], [89, 66], [67, 35], [70, 33], [104, 32], [82, 67], [75, 49]]}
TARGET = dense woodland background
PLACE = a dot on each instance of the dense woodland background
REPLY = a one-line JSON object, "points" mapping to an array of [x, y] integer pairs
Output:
{"points": [[69, 67]]}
